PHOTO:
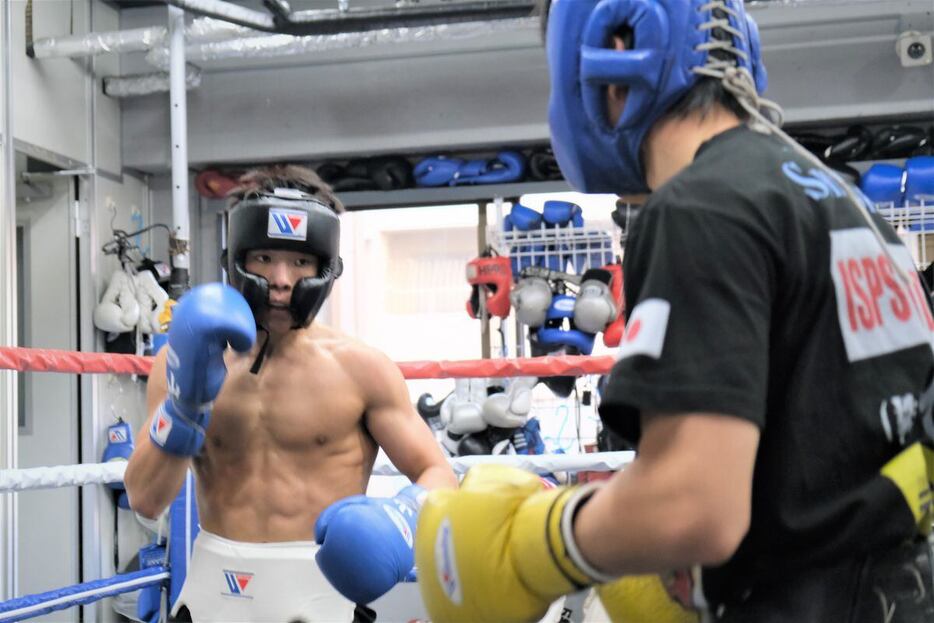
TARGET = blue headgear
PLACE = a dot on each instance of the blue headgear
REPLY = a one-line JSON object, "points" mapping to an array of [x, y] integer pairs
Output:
{"points": [[672, 38]]}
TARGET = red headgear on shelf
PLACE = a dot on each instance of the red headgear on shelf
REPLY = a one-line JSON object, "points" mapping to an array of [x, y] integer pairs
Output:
{"points": [[493, 276], [613, 334]]}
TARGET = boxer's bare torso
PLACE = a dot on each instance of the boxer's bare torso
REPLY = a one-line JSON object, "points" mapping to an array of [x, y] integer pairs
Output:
{"points": [[299, 434], [285, 443]]}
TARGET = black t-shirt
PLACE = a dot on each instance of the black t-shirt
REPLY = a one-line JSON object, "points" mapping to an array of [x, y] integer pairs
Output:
{"points": [[756, 289]]}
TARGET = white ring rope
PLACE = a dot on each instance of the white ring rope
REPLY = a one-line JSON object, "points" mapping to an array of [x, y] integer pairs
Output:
{"points": [[103, 473], [57, 476], [538, 463]]}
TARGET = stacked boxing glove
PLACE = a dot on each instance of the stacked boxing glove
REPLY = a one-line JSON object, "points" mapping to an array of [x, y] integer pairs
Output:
{"points": [[523, 219], [595, 306], [119, 448], [204, 321], [510, 409], [462, 418], [367, 544], [889, 183], [563, 214], [118, 311], [531, 298], [151, 298], [507, 166], [919, 180], [430, 411], [462, 411]]}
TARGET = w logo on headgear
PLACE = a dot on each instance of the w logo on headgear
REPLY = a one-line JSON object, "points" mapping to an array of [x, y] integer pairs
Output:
{"points": [[287, 224], [236, 582]]}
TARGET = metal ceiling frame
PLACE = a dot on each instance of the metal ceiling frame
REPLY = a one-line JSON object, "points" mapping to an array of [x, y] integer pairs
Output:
{"points": [[282, 20]]}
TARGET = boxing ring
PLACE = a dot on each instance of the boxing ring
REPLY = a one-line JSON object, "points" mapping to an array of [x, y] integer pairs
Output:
{"points": [[156, 572]]}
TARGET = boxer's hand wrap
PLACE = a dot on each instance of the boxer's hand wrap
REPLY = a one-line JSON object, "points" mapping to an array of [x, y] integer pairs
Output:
{"points": [[367, 543], [205, 320], [500, 548]]}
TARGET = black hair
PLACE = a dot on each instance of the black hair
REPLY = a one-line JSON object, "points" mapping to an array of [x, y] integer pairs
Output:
{"points": [[701, 99], [266, 179]]}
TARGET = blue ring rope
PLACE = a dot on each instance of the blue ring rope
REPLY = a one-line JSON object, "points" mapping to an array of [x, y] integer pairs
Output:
{"points": [[31, 606]]}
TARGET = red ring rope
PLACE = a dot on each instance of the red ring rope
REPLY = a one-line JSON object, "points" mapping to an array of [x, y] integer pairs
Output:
{"points": [[42, 360]]}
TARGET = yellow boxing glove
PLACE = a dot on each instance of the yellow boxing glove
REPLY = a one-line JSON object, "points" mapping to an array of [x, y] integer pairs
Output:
{"points": [[643, 599], [498, 548]]}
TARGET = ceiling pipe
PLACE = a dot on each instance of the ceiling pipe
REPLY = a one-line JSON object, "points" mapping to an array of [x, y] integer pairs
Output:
{"points": [[228, 12], [333, 21], [147, 84], [209, 39], [134, 40], [278, 46], [345, 20]]}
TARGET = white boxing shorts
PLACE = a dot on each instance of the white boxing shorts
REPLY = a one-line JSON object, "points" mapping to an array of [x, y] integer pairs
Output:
{"points": [[233, 582]]}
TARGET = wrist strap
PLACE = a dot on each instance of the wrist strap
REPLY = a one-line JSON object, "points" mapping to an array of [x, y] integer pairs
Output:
{"points": [[575, 501], [415, 493], [175, 433]]}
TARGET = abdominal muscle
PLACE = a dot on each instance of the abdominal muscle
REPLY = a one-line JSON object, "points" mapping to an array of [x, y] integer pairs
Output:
{"points": [[271, 494]]}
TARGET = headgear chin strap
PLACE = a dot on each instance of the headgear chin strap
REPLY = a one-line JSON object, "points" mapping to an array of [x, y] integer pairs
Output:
{"points": [[286, 220], [673, 40]]}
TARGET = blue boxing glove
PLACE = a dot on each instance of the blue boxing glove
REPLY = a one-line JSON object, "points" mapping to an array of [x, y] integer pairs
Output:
{"points": [[367, 544], [205, 320], [119, 448], [884, 183]]}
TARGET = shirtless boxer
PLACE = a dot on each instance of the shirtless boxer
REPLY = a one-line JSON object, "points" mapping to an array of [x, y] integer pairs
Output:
{"points": [[299, 412]]}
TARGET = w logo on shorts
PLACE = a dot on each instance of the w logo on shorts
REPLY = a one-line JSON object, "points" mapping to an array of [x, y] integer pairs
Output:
{"points": [[237, 582], [287, 224]]}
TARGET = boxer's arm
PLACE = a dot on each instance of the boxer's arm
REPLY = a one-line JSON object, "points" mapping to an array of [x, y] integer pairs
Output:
{"points": [[153, 478], [367, 544], [685, 500], [396, 426]]}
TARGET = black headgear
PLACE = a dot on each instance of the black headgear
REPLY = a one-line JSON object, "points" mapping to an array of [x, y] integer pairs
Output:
{"points": [[287, 220]]}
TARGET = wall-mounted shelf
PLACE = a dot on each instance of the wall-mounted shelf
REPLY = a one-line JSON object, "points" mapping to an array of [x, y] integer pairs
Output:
{"points": [[830, 63], [446, 195]]}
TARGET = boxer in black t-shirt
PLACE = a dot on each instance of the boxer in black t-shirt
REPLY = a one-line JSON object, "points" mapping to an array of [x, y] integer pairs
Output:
{"points": [[775, 374]]}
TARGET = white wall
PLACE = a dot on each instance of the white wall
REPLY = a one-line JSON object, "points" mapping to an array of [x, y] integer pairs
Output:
{"points": [[50, 109], [52, 102], [107, 143], [48, 519], [61, 116], [126, 206], [117, 396]]}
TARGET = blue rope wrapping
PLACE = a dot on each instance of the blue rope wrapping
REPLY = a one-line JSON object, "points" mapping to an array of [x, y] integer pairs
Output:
{"points": [[31, 606]]}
